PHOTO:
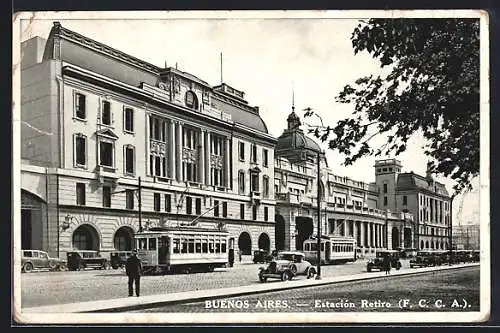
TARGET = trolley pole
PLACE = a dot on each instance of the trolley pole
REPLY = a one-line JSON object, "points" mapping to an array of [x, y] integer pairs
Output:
{"points": [[139, 197], [318, 275]]}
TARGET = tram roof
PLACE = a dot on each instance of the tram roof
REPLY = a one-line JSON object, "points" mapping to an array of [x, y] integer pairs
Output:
{"points": [[181, 229]]}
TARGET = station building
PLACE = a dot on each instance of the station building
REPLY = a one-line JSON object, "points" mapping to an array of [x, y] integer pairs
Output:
{"points": [[105, 135]]}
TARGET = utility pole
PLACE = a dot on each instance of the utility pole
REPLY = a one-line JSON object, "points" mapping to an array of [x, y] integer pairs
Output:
{"points": [[318, 275], [139, 197]]}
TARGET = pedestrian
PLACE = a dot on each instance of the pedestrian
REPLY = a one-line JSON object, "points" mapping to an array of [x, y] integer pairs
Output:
{"points": [[231, 257], [387, 264], [133, 268], [239, 254]]}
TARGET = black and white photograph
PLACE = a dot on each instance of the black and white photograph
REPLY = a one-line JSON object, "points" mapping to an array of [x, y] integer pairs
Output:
{"points": [[226, 167]]}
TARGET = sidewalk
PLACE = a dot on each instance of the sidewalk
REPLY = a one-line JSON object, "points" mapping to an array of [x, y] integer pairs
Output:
{"points": [[134, 303]]}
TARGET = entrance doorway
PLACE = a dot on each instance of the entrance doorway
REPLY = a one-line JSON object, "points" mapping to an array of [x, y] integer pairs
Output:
{"points": [[304, 227]]}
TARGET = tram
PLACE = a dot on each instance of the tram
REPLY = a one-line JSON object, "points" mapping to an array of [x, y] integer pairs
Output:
{"points": [[333, 249], [182, 249]]}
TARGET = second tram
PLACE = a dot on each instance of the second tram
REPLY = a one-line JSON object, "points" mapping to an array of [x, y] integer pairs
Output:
{"points": [[333, 249], [181, 249]]}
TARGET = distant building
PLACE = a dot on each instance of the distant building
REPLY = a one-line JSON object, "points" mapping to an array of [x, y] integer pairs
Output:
{"points": [[466, 237]]}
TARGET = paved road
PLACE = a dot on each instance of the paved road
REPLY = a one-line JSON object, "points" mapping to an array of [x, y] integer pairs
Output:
{"points": [[45, 288], [436, 291]]}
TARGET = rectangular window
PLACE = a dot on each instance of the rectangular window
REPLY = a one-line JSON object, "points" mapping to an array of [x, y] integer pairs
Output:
{"points": [[189, 138], [405, 200], [129, 160], [242, 211], [254, 212], [80, 110], [385, 188], [198, 206], [106, 113], [106, 196], [385, 201], [157, 202], [241, 151], [265, 186], [254, 153], [189, 171], [128, 119], [157, 129], [266, 213], [255, 182], [265, 158], [216, 207], [241, 182], [168, 203], [129, 198], [189, 205], [224, 209], [80, 194], [105, 153], [81, 150]]}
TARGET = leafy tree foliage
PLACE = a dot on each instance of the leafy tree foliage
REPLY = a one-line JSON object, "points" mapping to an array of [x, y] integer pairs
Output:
{"points": [[432, 87]]}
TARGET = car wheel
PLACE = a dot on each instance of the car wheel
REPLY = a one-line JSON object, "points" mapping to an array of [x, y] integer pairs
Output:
{"points": [[286, 276], [262, 278], [311, 272], [28, 267], [210, 268], [293, 269]]}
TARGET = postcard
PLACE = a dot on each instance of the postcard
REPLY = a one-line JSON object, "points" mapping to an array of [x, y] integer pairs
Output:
{"points": [[284, 167]]}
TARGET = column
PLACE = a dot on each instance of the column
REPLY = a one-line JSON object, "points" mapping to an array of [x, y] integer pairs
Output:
{"points": [[227, 166], [375, 234], [362, 231], [207, 159], [371, 234], [344, 224], [201, 158], [179, 152], [355, 230], [171, 157]]}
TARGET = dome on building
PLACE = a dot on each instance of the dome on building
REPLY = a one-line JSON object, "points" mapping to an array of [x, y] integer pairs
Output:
{"points": [[293, 143]]}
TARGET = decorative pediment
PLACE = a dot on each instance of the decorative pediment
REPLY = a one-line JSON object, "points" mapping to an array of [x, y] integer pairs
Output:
{"points": [[107, 133], [255, 169]]}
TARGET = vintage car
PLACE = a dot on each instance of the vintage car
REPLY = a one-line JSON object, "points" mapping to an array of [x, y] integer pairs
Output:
{"points": [[475, 255], [261, 256], [422, 259], [286, 266], [82, 259], [118, 259], [36, 259], [378, 261]]}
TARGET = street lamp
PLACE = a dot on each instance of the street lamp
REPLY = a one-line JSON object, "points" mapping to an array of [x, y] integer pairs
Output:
{"points": [[318, 275], [138, 193]]}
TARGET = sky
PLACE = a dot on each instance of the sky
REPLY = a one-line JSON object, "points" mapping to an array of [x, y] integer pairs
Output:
{"points": [[269, 59]]}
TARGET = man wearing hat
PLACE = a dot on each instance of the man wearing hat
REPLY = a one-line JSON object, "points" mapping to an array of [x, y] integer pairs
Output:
{"points": [[133, 269]]}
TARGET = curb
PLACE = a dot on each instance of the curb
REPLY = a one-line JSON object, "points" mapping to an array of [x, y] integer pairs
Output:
{"points": [[126, 304]]}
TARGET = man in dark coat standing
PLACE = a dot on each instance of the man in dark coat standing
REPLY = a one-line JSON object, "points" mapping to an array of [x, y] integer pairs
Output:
{"points": [[387, 263], [133, 269]]}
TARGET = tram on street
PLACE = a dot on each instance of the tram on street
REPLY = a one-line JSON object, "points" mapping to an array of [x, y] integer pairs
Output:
{"points": [[182, 249], [333, 249]]}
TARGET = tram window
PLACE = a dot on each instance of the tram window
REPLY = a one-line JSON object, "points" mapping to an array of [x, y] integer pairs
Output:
{"points": [[211, 246], [191, 245], [177, 245], [217, 247], [223, 246], [184, 246], [204, 246], [322, 246], [142, 244], [152, 243], [197, 246], [314, 247], [306, 247]]}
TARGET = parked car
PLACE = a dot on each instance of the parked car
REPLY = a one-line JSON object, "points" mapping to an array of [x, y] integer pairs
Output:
{"points": [[286, 266], [378, 261], [82, 259], [476, 255], [118, 259], [422, 259], [261, 256], [36, 259]]}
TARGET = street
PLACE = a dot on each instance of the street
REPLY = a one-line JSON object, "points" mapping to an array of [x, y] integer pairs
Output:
{"points": [[456, 290], [46, 288]]}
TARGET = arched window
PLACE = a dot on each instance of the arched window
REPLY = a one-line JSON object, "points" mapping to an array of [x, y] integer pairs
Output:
{"points": [[191, 100]]}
